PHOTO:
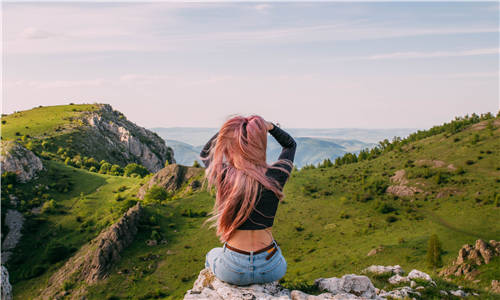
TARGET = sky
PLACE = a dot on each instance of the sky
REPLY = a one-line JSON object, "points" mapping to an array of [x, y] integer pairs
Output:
{"points": [[301, 64]]}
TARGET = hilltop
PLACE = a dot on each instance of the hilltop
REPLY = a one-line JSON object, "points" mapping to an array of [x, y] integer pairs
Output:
{"points": [[77, 133]]}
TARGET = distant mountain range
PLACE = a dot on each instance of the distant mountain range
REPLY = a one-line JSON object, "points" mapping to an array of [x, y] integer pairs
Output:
{"points": [[313, 145]]}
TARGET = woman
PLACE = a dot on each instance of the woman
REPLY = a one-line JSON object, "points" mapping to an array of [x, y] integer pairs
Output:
{"points": [[247, 194]]}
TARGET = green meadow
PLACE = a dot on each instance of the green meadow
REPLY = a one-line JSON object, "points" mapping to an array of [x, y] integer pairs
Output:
{"points": [[331, 217]]}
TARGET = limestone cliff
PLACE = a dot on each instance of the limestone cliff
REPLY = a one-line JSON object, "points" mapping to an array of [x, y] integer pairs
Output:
{"points": [[109, 135]]}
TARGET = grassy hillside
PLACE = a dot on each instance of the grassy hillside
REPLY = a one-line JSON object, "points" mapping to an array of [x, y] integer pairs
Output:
{"points": [[88, 205], [330, 219], [43, 121]]}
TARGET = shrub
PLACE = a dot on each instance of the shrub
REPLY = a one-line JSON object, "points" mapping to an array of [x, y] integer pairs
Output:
{"points": [[49, 206], [156, 194], [56, 252], [134, 168], [434, 252], [196, 164], [469, 162], [391, 219], [386, 208]]}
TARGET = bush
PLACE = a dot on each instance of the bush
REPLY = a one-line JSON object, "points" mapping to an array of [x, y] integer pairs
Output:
{"points": [[134, 168], [196, 164], [49, 206], [386, 208], [156, 194], [56, 252], [391, 219]]}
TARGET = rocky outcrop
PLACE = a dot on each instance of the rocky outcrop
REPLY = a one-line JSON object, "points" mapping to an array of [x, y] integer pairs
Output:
{"points": [[469, 257], [14, 221], [123, 141], [17, 159], [6, 287], [209, 287], [93, 261], [171, 179], [400, 188]]}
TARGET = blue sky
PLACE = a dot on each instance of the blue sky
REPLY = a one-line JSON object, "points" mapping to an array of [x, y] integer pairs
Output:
{"points": [[302, 64]]}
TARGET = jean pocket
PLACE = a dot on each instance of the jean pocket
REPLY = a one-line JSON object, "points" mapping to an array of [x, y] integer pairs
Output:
{"points": [[273, 265], [230, 267]]}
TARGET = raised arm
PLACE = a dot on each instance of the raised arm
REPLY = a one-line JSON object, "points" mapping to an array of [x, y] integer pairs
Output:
{"points": [[286, 141], [206, 150]]}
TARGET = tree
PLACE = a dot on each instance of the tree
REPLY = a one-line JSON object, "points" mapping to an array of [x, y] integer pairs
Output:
{"points": [[434, 252], [196, 164], [105, 167], [134, 168]]}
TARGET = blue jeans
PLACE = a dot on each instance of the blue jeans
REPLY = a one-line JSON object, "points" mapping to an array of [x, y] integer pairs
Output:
{"points": [[241, 269]]}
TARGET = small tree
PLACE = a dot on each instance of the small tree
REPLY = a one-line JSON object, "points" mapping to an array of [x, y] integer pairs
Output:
{"points": [[134, 168], [156, 194], [434, 252], [196, 164]]}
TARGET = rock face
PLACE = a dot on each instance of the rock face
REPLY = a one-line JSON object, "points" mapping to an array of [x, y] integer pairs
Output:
{"points": [[123, 141], [92, 262], [360, 286], [171, 178], [6, 287], [17, 159], [14, 220], [400, 188], [469, 257]]}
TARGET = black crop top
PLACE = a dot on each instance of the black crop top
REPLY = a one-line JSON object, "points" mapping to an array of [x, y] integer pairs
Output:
{"points": [[267, 202]]}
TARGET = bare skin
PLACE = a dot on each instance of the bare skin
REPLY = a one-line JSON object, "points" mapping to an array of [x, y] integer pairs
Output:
{"points": [[252, 240]]}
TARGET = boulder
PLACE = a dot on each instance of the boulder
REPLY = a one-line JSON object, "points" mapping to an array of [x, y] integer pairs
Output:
{"points": [[384, 269], [469, 257], [360, 286]]}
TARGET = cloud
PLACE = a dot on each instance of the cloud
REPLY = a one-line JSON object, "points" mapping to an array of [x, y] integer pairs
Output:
{"points": [[36, 33], [262, 7], [410, 55]]}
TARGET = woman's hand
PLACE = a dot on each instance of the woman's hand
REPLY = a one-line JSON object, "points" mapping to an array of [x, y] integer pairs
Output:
{"points": [[269, 125]]}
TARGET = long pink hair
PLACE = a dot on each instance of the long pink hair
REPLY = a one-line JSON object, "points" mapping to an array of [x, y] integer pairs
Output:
{"points": [[239, 151]]}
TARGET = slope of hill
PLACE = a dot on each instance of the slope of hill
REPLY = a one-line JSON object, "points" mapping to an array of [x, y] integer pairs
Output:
{"points": [[86, 131], [330, 220]]}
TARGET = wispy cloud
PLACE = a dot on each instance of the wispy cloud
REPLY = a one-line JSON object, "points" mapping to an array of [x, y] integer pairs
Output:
{"points": [[416, 54]]}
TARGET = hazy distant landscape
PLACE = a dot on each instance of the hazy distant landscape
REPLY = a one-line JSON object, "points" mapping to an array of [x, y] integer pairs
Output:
{"points": [[314, 145]]}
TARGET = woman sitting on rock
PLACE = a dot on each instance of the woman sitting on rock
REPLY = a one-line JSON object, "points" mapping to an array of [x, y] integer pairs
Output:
{"points": [[247, 194]]}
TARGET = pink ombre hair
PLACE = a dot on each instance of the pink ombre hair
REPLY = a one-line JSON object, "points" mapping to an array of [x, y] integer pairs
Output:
{"points": [[239, 151]]}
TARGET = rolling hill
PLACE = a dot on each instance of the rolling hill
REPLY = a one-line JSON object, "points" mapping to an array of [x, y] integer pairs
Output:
{"points": [[386, 203]]}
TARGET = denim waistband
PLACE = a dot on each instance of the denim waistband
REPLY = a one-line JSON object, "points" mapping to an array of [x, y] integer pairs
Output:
{"points": [[251, 256]]}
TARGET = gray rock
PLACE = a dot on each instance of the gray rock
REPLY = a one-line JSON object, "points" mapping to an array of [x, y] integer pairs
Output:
{"points": [[114, 133], [357, 285], [17, 159], [14, 220], [6, 287], [384, 269]]}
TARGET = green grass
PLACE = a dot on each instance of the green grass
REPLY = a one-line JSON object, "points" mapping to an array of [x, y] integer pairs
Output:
{"points": [[76, 220], [330, 220], [41, 121]]}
